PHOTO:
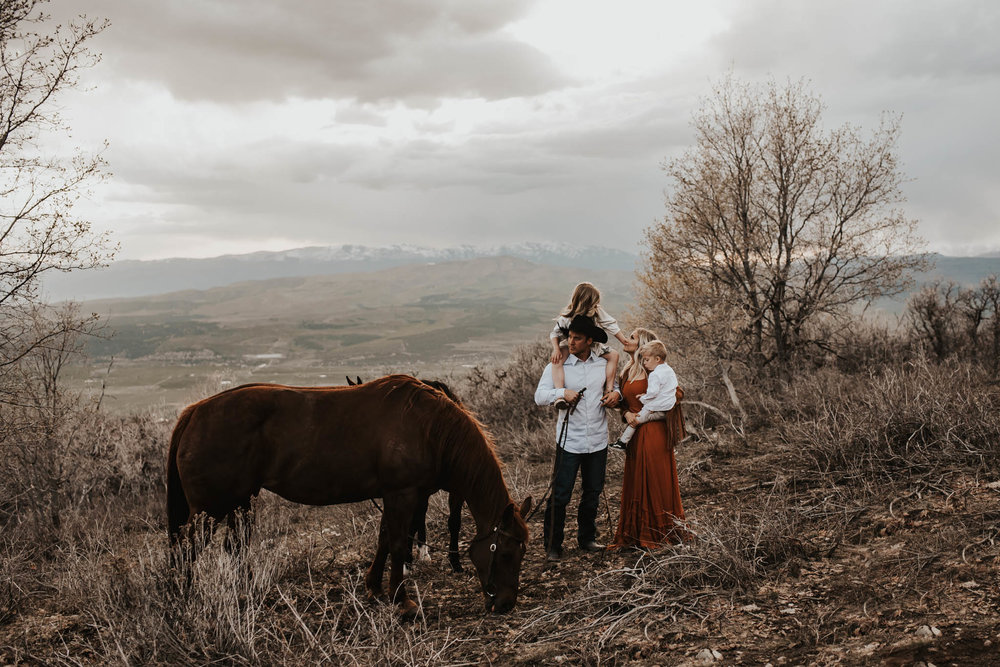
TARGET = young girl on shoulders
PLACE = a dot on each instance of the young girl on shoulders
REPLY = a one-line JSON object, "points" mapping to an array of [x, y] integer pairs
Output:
{"points": [[586, 300]]}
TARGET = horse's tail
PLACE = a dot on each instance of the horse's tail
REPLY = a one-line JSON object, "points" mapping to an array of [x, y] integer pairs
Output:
{"points": [[178, 510]]}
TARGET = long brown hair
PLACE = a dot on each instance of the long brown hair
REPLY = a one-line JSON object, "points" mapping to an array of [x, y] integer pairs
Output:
{"points": [[584, 301], [634, 370]]}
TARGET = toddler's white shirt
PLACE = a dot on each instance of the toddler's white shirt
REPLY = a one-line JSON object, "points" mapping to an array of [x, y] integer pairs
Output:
{"points": [[661, 390]]}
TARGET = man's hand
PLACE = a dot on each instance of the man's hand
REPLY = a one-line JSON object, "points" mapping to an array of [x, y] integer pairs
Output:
{"points": [[610, 399], [631, 418], [571, 396]]}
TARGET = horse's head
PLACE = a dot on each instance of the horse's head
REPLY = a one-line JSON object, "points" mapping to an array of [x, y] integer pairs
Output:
{"points": [[497, 555]]}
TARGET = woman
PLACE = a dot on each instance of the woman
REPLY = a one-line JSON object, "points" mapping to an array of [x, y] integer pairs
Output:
{"points": [[651, 498]]}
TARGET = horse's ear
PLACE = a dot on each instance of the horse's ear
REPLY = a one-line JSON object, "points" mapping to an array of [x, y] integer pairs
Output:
{"points": [[526, 506], [508, 515], [359, 380], [349, 383]]}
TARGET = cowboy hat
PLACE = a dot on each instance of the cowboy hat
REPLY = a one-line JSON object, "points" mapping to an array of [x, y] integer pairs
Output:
{"points": [[582, 324]]}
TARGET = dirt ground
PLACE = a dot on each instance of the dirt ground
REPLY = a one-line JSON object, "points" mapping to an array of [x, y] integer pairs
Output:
{"points": [[884, 585], [877, 584]]}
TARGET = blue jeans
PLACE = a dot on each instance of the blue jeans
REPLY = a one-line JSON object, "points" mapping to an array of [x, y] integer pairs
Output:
{"points": [[591, 467]]}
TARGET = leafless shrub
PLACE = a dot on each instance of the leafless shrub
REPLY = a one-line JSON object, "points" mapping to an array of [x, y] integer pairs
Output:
{"points": [[502, 396], [913, 418], [66, 472], [948, 320], [80, 458], [864, 345], [15, 561], [932, 315]]}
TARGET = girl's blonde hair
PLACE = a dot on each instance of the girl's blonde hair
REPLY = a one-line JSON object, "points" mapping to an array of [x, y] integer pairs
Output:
{"points": [[654, 348], [584, 301], [634, 370]]}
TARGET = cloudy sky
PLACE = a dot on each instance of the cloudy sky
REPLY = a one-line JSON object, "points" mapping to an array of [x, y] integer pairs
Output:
{"points": [[241, 125]]}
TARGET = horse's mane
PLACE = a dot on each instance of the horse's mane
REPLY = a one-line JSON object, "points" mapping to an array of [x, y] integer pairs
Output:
{"points": [[457, 431], [444, 389]]}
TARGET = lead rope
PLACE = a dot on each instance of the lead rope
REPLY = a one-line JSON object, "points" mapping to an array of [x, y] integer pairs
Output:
{"points": [[560, 445]]}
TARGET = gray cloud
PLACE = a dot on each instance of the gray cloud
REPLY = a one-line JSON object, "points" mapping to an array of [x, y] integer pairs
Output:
{"points": [[239, 50], [936, 63], [360, 114], [493, 189], [864, 41]]}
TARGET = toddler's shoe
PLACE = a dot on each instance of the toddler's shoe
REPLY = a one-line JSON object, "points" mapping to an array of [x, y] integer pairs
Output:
{"points": [[618, 444]]}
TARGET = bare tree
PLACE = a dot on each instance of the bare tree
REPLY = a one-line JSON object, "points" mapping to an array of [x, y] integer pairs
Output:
{"points": [[973, 308], [990, 287], [774, 225], [933, 313], [39, 232], [958, 321]]}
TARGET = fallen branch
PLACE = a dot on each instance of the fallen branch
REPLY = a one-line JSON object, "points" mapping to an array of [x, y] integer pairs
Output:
{"points": [[722, 413]]}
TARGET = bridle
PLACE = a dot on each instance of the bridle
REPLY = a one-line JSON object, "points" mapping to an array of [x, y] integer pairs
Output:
{"points": [[495, 534]]}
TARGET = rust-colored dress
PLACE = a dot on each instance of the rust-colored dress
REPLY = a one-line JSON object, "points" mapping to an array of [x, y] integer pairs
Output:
{"points": [[651, 497]]}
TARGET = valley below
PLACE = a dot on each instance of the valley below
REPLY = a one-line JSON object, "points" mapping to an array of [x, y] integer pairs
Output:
{"points": [[429, 320]]}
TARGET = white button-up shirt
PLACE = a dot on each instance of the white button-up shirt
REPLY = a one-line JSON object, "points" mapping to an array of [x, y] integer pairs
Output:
{"points": [[661, 391], [587, 431]]}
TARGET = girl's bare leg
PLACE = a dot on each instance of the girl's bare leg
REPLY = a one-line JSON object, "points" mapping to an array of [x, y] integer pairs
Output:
{"points": [[559, 371], [558, 376], [612, 370]]}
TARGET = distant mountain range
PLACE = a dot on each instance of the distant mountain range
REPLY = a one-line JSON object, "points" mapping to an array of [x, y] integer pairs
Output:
{"points": [[132, 278]]}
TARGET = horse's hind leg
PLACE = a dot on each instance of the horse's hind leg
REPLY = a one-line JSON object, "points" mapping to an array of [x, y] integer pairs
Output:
{"points": [[188, 540], [454, 530], [240, 522], [234, 510], [399, 508], [418, 535]]}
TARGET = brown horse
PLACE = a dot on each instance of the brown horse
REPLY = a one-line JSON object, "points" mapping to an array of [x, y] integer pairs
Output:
{"points": [[394, 438]]}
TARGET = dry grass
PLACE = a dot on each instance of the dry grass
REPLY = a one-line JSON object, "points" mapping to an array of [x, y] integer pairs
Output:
{"points": [[911, 419]]}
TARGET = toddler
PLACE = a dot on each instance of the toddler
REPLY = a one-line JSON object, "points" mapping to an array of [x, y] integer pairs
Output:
{"points": [[585, 300], [661, 388]]}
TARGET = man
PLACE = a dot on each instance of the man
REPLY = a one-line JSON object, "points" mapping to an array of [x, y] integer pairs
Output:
{"points": [[585, 447]]}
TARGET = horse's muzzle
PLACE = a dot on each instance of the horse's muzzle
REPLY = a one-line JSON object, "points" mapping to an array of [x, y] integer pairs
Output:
{"points": [[499, 605]]}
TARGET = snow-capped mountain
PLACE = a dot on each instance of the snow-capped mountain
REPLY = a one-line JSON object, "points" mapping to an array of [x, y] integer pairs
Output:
{"points": [[545, 253], [139, 278]]}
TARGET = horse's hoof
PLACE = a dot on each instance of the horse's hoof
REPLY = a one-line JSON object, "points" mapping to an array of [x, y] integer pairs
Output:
{"points": [[407, 609]]}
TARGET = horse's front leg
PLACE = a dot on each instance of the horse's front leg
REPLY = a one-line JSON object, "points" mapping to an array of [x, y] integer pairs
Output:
{"points": [[399, 508], [454, 530], [373, 580]]}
